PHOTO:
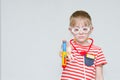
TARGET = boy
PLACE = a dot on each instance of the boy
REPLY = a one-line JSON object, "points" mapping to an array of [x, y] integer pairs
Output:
{"points": [[85, 60]]}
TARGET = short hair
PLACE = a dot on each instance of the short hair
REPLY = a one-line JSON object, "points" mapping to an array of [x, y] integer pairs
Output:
{"points": [[82, 16]]}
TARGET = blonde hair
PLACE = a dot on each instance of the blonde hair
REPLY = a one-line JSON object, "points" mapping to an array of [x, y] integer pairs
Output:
{"points": [[81, 15]]}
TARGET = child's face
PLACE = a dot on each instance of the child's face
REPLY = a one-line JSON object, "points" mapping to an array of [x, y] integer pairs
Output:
{"points": [[80, 31]]}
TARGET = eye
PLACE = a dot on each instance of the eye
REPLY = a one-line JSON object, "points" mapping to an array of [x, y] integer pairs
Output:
{"points": [[85, 29], [76, 29]]}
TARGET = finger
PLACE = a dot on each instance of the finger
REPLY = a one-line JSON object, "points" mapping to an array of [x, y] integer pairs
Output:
{"points": [[60, 54]]}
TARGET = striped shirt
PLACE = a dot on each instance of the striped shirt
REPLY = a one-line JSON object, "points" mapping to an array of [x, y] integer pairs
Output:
{"points": [[77, 69]]}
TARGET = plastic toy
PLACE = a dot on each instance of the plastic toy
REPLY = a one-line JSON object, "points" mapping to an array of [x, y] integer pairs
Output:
{"points": [[64, 54]]}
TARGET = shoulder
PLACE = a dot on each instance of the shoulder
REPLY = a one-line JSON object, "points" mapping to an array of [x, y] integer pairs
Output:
{"points": [[96, 47]]}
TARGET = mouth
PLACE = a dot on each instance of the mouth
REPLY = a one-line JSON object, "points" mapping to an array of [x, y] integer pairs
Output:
{"points": [[81, 37]]}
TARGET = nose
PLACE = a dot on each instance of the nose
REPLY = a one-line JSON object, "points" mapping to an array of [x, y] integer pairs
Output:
{"points": [[80, 32]]}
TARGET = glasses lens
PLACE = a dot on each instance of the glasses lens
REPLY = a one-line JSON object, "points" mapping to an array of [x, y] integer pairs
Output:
{"points": [[75, 30], [85, 29]]}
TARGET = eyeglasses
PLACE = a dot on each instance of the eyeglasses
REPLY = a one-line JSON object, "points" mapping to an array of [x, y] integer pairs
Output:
{"points": [[77, 30]]}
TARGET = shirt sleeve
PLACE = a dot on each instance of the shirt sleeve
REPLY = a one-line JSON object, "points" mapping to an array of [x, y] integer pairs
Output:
{"points": [[100, 58]]}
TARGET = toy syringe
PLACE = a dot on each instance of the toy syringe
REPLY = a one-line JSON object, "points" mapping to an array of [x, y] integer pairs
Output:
{"points": [[64, 54]]}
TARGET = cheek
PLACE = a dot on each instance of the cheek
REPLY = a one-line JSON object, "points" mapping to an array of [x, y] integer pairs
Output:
{"points": [[74, 34], [87, 34]]}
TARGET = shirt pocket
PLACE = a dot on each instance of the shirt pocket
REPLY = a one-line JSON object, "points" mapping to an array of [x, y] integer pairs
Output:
{"points": [[89, 61]]}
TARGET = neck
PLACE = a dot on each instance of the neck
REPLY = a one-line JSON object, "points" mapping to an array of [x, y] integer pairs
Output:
{"points": [[84, 43]]}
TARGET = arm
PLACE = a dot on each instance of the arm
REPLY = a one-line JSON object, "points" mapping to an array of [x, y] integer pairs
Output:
{"points": [[99, 72]]}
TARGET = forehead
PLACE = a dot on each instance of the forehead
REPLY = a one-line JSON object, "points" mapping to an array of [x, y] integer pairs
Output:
{"points": [[80, 22]]}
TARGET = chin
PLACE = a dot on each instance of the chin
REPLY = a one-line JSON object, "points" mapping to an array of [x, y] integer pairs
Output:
{"points": [[81, 40]]}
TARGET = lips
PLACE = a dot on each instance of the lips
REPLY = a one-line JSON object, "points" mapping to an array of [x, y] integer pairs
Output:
{"points": [[81, 37]]}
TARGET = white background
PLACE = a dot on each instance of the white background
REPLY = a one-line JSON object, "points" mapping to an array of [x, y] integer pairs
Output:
{"points": [[32, 33]]}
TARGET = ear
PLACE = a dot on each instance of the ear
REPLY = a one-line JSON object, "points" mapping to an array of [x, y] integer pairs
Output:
{"points": [[91, 30], [70, 29]]}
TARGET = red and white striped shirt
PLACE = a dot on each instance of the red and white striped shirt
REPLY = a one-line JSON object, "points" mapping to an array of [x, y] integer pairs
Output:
{"points": [[77, 70]]}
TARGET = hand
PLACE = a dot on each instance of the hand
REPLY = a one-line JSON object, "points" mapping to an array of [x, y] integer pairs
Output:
{"points": [[69, 49], [69, 54]]}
